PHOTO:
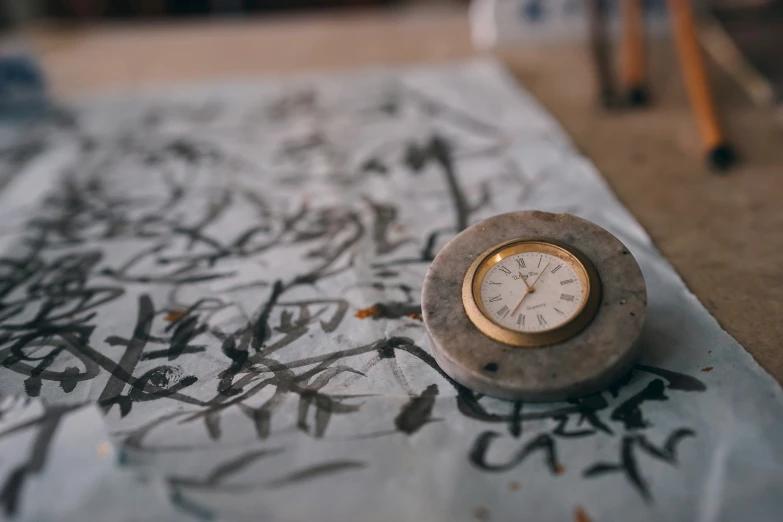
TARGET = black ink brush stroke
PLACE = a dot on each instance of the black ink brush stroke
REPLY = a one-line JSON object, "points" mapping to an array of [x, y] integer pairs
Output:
{"points": [[417, 412], [325, 406], [159, 382], [629, 411], [384, 215], [135, 438], [468, 405], [437, 107], [86, 352], [215, 479], [515, 422], [111, 393], [668, 453], [562, 430], [190, 507], [541, 443], [439, 150], [286, 381], [427, 253], [676, 380], [235, 346], [628, 464], [308, 474], [46, 426], [588, 412], [340, 309], [261, 329]]}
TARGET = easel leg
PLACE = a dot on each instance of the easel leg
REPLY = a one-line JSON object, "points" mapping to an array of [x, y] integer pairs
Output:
{"points": [[601, 51], [719, 154], [634, 74]]}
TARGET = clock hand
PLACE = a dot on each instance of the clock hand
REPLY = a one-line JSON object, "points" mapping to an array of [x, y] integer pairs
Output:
{"points": [[520, 302], [529, 288], [540, 274]]}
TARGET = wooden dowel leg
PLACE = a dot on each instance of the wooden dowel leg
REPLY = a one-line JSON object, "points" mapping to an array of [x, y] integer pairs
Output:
{"points": [[634, 73], [601, 52], [719, 154]]}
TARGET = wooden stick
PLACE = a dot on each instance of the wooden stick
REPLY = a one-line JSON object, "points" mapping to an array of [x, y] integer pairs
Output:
{"points": [[634, 75], [601, 52], [720, 155]]}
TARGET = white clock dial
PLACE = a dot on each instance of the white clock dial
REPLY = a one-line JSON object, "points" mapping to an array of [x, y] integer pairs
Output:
{"points": [[553, 295]]}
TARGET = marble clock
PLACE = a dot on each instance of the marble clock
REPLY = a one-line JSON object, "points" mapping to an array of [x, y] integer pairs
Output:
{"points": [[534, 306]]}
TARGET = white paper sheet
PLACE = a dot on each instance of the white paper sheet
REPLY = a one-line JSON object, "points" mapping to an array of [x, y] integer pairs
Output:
{"points": [[195, 264]]}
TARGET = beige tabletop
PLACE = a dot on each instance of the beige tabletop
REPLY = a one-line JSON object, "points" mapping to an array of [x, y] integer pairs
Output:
{"points": [[724, 235]]}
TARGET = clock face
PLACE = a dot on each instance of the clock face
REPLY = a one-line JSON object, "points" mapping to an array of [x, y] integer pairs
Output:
{"points": [[534, 290], [531, 292]]}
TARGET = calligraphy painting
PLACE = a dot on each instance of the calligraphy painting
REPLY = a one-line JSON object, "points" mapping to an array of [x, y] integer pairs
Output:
{"points": [[210, 310]]}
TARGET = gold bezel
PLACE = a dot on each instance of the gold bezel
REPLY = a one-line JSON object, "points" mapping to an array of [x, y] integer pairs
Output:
{"points": [[471, 288]]}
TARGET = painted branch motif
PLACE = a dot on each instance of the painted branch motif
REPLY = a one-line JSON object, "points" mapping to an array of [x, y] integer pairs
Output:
{"points": [[237, 284]]}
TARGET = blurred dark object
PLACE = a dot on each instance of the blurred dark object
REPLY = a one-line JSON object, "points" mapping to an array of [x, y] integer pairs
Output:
{"points": [[755, 28], [24, 98], [14, 13], [600, 47], [22, 86], [81, 9]]}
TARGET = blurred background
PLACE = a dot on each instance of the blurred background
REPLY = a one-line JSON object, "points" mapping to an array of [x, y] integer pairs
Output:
{"points": [[753, 27], [83, 45], [57, 49], [96, 9]]}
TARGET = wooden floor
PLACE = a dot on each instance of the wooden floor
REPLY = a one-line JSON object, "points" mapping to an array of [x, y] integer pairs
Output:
{"points": [[724, 235]]}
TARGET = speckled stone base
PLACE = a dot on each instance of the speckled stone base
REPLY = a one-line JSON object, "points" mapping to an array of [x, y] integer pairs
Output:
{"points": [[584, 364]]}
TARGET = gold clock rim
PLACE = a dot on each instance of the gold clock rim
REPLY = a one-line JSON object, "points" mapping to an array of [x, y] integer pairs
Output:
{"points": [[471, 287]]}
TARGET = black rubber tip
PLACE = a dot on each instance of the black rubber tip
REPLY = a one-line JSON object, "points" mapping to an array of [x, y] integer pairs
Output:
{"points": [[721, 158], [638, 97]]}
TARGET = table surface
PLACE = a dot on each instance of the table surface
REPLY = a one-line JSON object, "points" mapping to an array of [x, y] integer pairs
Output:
{"points": [[722, 234]]}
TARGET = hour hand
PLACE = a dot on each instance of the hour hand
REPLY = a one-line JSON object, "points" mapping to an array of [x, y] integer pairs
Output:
{"points": [[529, 288]]}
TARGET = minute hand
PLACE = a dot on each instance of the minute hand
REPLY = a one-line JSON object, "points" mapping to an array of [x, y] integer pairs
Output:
{"points": [[539, 275]]}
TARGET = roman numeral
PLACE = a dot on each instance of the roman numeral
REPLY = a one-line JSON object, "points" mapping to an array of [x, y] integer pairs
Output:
{"points": [[566, 297], [566, 281], [558, 311], [494, 283], [505, 270], [493, 299], [521, 319], [521, 262], [555, 269], [503, 312], [541, 320]]}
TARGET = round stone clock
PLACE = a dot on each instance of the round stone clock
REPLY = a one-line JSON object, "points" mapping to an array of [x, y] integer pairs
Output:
{"points": [[534, 306]]}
